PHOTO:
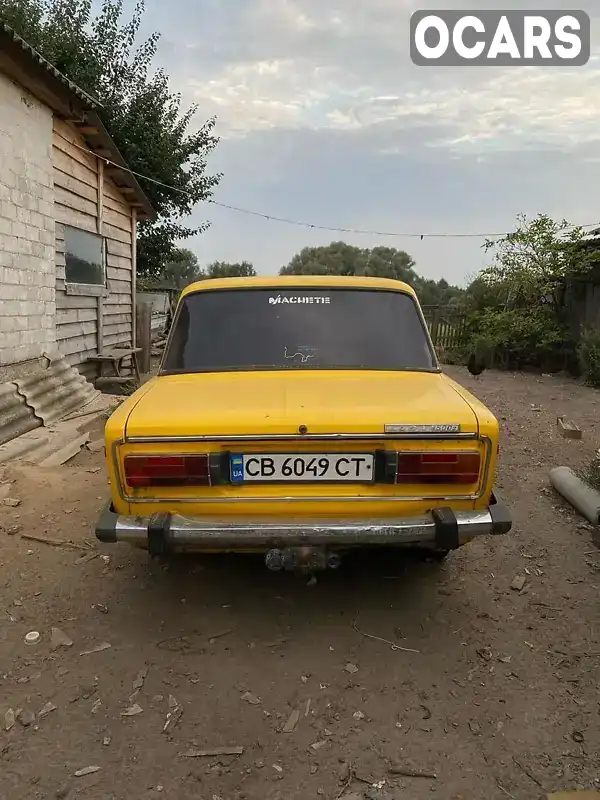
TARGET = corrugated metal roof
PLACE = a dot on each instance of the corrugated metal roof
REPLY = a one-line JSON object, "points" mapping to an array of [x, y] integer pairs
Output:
{"points": [[57, 391], [37, 445], [16, 417], [87, 116], [86, 98]]}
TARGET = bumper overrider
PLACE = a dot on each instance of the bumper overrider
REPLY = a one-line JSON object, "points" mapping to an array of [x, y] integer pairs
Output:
{"points": [[163, 533]]}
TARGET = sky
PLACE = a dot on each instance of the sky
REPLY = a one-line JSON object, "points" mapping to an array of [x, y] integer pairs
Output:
{"points": [[323, 118]]}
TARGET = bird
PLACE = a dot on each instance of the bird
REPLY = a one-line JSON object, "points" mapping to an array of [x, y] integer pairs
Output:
{"points": [[476, 364]]}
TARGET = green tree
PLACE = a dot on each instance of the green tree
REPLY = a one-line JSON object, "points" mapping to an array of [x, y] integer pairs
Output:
{"points": [[182, 270], [480, 295], [339, 258], [530, 265], [516, 303], [102, 55], [222, 269]]}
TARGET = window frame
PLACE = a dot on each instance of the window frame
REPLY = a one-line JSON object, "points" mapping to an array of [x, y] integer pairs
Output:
{"points": [[87, 289]]}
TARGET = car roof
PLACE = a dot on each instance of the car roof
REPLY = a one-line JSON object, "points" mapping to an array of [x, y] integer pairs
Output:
{"points": [[276, 282]]}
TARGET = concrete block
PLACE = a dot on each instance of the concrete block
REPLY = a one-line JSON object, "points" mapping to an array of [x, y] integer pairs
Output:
{"points": [[8, 249], [46, 236], [36, 219], [23, 215], [9, 177], [18, 228], [8, 209], [9, 276]]}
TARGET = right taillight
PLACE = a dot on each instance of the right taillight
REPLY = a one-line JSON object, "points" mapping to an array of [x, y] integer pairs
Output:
{"points": [[461, 468], [144, 471]]}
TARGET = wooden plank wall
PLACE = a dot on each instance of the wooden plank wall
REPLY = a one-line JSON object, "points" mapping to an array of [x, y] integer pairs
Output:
{"points": [[77, 182], [582, 304]]}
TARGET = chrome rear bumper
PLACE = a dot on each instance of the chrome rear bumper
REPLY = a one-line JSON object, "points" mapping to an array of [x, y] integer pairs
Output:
{"points": [[442, 529]]}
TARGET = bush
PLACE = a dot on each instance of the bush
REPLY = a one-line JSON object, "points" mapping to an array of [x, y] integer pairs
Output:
{"points": [[591, 473], [589, 355], [519, 337]]}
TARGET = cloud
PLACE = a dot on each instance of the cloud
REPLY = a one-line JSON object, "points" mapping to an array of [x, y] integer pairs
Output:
{"points": [[306, 65], [323, 117]]}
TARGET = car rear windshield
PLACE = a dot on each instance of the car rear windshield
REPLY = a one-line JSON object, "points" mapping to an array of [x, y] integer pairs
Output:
{"points": [[264, 329]]}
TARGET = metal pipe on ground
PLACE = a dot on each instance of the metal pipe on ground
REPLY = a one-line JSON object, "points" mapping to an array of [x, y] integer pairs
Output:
{"points": [[582, 497]]}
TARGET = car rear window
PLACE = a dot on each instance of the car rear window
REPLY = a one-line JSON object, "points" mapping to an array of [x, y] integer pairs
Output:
{"points": [[308, 328]]}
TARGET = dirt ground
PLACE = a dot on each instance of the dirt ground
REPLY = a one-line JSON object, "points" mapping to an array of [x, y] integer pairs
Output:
{"points": [[499, 700]]}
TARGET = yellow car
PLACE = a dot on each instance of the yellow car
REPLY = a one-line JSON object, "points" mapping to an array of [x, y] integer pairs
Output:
{"points": [[300, 417]]}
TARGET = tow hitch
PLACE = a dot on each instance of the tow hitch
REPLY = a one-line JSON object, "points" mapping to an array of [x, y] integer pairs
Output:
{"points": [[306, 559]]}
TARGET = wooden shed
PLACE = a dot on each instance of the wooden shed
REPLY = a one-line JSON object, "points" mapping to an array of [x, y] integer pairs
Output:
{"points": [[71, 201], [95, 305]]}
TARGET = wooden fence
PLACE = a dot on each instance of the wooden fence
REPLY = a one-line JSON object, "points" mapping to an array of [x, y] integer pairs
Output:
{"points": [[447, 326], [582, 303]]}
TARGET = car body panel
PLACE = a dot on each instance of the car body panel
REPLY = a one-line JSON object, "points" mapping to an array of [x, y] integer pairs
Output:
{"points": [[278, 402], [300, 411]]}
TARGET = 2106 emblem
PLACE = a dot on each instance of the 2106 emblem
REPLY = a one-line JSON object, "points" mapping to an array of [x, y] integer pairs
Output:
{"points": [[448, 428]]}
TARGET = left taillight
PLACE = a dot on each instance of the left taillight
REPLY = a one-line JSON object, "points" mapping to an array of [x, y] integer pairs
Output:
{"points": [[143, 471], [443, 467]]}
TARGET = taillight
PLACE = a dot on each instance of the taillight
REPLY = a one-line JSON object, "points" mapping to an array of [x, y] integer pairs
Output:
{"points": [[462, 468], [143, 471]]}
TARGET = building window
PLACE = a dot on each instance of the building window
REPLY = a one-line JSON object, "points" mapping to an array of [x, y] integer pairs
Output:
{"points": [[85, 257]]}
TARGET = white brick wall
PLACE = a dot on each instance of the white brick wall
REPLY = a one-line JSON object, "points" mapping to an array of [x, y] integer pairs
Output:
{"points": [[27, 273]]}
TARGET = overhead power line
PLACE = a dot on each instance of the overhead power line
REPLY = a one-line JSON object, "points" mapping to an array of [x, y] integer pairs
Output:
{"points": [[366, 232], [314, 225]]}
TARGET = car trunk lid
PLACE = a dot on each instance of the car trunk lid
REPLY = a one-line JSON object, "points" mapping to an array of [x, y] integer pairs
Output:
{"points": [[276, 403]]}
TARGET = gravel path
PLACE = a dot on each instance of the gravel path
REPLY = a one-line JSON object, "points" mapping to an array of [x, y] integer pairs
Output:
{"points": [[501, 699]]}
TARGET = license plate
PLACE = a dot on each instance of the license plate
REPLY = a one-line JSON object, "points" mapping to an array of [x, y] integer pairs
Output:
{"points": [[293, 468]]}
